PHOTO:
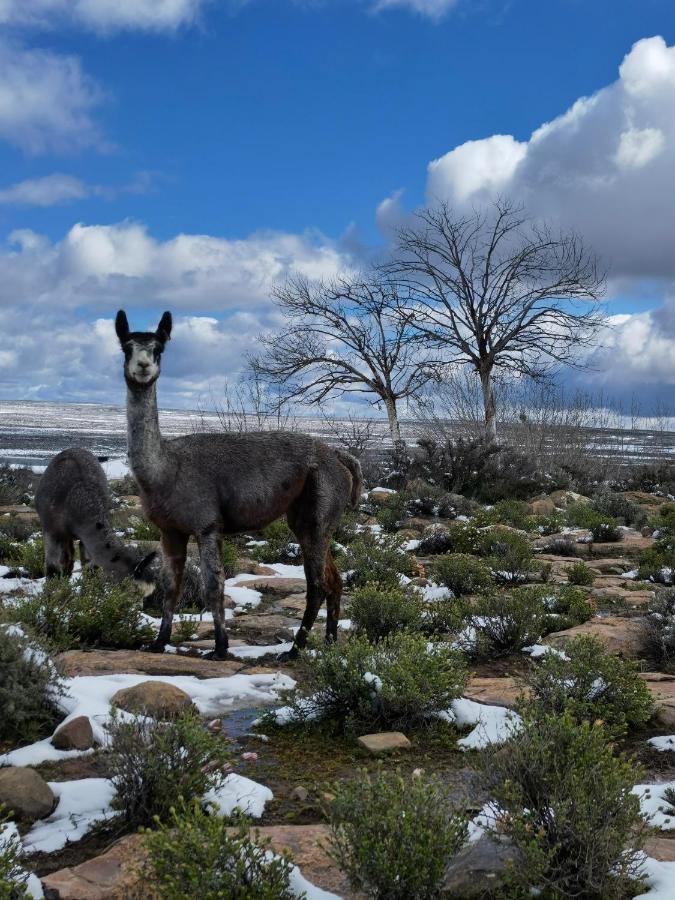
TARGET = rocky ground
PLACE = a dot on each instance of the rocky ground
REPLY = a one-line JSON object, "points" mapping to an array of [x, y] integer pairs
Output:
{"points": [[265, 606]]}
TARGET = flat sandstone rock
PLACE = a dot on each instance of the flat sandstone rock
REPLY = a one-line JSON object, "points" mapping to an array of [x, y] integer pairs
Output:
{"points": [[384, 742]]}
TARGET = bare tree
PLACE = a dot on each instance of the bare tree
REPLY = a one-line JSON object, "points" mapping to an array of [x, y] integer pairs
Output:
{"points": [[498, 291], [346, 336]]}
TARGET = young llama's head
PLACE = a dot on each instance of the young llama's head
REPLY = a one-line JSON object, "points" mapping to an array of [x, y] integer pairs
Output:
{"points": [[142, 349]]}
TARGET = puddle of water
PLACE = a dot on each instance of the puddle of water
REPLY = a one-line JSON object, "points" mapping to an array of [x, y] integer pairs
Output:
{"points": [[238, 722]]}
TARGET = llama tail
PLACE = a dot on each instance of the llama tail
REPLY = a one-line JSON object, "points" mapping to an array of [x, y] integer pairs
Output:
{"points": [[354, 467]]}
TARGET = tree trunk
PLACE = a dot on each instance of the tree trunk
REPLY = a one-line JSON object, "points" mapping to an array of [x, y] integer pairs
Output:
{"points": [[489, 404], [394, 427]]}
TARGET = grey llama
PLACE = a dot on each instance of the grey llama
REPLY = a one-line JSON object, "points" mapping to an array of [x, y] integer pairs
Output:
{"points": [[209, 485], [73, 501]]}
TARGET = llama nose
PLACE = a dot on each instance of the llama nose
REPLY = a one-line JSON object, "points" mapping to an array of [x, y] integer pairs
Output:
{"points": [[143, 365]]}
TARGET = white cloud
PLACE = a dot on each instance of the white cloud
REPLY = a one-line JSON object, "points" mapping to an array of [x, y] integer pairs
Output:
{"points": [[46, 101], [433, 9], [103, 15], [48, 190], [69, 291], [604, 167]]}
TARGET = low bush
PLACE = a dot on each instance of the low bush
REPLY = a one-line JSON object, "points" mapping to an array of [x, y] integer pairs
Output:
{"points": [[422, 498], [547, 525], [280, 544], [379, 610], [92, 610], [509, 554], [396, 683], [28, 556], [590, 683], [504, 623], [564, 803], [394, 836], [229, 555], [124, 487], [664, 520], [194, 854], [572, 606], [582, 515], [580, 573], [29, 688], [152, 763], [372, 558], [618, 506], [660, 627], [13, 878], [464, 538], [462, 573], [346, 530], [562, 546], [443, 616], [390, 515], [606, 531], [17, 485], [143, 530], [17, 528], [658, 562], [515, 513]]}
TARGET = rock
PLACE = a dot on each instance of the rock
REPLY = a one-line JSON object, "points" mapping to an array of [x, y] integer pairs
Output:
{"points": [[382, 496], [661, 848], [476, 870], [154, 698], [26, 793], [246, 566], [137, 662], [494, 691], [625, 637], [384, 742], [307, 844], [277, 586], [662, 689], [544, 506], [264, 629], [114, 875], [76, 734], [563, 499], [300, 793], [296, 602]]}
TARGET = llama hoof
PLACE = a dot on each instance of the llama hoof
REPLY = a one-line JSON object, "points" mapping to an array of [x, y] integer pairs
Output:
{"points": [[289, 655], [155, 647], [218, 655]]}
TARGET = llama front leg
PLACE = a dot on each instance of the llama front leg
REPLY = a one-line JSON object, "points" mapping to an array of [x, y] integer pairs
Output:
{"points": [[174, 550], [59, 555], [213, 582]]}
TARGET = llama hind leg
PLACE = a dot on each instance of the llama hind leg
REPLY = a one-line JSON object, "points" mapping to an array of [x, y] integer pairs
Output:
{"points": [[333, 587], [174, 550], [314, 556], [213, 581]]}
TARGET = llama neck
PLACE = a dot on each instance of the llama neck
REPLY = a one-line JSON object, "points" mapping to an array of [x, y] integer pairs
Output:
{"points": [[146, 451], [106, 550]]}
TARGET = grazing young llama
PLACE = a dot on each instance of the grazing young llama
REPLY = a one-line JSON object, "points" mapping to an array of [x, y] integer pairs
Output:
{"points": [[209, 485], [72, 501]]}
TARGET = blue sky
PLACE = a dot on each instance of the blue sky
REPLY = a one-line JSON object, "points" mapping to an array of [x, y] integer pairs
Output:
{"points": [[275, 129]]}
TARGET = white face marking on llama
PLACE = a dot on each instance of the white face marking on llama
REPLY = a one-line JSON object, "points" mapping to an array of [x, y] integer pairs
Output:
{"points": [[142, 361]]}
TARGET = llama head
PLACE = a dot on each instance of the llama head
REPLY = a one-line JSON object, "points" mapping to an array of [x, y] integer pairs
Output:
{"points": [[142, 349]]}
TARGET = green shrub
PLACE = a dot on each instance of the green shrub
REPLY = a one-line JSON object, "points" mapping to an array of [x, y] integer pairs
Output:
{"points": [[17, 528], [580, 573], [509, 554], [396, 683], [29, 556], [13, 877], [346, 530], [664, 520], [462, 573], [371, 558], [464, 538], [547, 525], [29, 688], [229, 556], [394, 836], [658, 562], [565, 805], [572, 605], [504, 623], [562, 546], [390, 514], [618, 506], [590, 683], [195, 854], [152, 763], [280, 544], [513, 512], [144, 530], [7, 546], [124, 487], [606, 531], [582, 515], [378, 610], [92, 610], [660, 627], [443, 616]]}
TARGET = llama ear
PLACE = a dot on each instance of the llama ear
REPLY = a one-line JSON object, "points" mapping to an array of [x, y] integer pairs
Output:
{"points": [[139, 572], [122, 326], [164, 327]]}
